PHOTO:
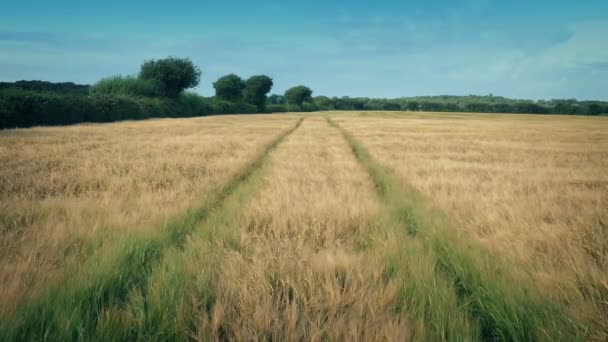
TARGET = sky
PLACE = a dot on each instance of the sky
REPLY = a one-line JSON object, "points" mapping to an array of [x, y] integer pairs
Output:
{"points": [[535, 49]]}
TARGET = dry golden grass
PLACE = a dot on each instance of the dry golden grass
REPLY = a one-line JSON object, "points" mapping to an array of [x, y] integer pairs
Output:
{"points": [[531, 188], [62, 186], [298, 272], [315, 240]]}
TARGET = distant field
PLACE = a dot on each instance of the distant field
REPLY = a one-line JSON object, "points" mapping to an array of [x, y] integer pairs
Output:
{"points": [[325, 226]]}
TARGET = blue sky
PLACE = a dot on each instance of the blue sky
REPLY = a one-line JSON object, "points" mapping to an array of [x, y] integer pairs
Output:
{"points": [[525, 49]]}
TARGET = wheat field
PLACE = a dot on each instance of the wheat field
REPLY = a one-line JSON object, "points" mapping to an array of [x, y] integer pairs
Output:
{"points": [[63, 187], [331, 226], [533, 188]]}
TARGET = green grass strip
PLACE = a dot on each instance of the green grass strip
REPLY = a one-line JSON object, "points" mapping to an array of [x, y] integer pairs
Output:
{"points": [[508, 307], [70, 309], [181, 286], [426, 297]]}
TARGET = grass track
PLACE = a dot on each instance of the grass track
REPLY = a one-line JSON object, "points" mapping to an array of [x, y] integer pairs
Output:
{"points": [[506, 308], [70, 309], [179, 290]]}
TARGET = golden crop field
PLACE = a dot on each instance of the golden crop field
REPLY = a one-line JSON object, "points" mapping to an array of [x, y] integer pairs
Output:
{"points": [[325, 226]]}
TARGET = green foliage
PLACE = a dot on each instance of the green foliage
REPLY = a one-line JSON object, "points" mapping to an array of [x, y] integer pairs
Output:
{"points": [[323, 102], [190, 105], [44, 86], [309, 107], [159, 92], [276, 99], [229, 88], [6, 114], [276, 108], [296, 96], [173, 74], [127, 86], [256, 88], [471, 103], [219, 106], [22, 108]]}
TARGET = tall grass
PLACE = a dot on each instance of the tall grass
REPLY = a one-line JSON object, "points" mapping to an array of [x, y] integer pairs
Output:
{"points": [[507, 306], [164, 308], [126, 86], [71, 309], [527, 188]]}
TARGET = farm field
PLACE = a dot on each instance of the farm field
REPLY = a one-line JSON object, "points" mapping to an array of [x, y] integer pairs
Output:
{"points": [[325, 226]]}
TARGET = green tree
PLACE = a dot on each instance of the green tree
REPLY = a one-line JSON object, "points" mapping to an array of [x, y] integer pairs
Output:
{"points": [[275, 99], [256, 88], [173, 75], [297, 95], [229, 88], [412, 105], [323, 102]]}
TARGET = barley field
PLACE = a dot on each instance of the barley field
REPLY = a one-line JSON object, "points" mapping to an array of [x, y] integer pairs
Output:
{"points": [[387, 226]]}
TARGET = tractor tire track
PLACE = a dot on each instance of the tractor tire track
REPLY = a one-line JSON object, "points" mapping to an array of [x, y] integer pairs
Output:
{"points": [[71, 309], [483, 284]]}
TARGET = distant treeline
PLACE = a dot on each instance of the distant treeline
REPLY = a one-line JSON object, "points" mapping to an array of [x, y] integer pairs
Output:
{"points": [[445, 103], [159, 90], [44, 86]]}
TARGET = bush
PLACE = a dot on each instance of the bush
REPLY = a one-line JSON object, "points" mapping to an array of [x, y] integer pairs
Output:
{"points": [[276, 108], [391, 106], [154, 107], [115, 108], [309, 107], [44, 86], [190, 105], [22, 108], [7, 115], [127, 86], [219, 106]]}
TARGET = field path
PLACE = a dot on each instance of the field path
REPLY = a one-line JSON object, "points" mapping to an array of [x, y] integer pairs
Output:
{"points": [[492, 292], [301, 268], [79, 310], [312, 240]]}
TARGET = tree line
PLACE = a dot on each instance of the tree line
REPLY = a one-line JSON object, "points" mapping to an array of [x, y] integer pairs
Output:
{"points": [[471, 103], [160, 89]]}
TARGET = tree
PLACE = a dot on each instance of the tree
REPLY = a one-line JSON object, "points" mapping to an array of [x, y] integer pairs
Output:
{"points": [[412, 105], [256, 88], [297, 95], [229, 88], [276, 99], [323, 102], [173, 75]]}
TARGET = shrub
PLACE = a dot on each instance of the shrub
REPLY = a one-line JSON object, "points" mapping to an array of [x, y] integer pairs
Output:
{"points": [[219, 106], [309, 107], [44, 86], [7, 115], [190, 105], [391, 106], [22, 108], [127, 86], [114, 108], [276, 108]]}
